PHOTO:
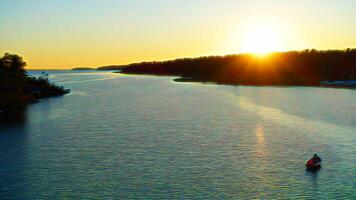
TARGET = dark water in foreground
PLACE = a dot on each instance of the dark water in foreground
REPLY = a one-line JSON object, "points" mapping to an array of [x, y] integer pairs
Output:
{"points": [[118, 136]]}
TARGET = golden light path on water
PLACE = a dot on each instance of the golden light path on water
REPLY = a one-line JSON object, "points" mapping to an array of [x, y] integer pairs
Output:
{"points": [[329, 130], [260, 137], [294, 130]]}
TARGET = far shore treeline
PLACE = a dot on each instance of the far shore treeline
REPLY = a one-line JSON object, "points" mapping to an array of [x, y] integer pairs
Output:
{"points": [[17, 89], [300, 68]]}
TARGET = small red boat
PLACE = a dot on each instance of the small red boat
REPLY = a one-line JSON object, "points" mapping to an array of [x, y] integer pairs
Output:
{"points": [[314, 163]]}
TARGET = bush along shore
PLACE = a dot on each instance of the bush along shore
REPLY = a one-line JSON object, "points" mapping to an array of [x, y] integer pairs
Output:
{"points": [[17, 89]]}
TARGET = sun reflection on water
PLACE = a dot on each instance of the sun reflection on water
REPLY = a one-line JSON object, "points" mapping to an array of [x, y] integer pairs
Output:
{"points": [[260, 138]]}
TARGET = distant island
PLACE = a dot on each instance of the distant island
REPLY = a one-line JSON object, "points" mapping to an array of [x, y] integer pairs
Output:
{"points": [[293, 68], [17, 89], [82, 68]]}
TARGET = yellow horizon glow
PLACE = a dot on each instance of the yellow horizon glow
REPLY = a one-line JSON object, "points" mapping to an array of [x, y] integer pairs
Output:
{"points": [[262, 35], [262, 39]]}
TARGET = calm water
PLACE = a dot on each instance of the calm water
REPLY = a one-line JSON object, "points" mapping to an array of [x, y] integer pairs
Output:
{"points": [[141, 137]]}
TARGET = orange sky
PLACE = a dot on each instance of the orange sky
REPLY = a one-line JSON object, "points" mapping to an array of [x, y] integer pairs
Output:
{"points": [[66, 34]]}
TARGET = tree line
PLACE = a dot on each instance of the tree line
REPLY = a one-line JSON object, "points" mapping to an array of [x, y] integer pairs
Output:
{"points": [[307, 67], [17, 89]]}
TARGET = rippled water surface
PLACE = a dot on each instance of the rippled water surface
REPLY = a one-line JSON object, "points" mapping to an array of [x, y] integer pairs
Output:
{"points": [[142, 137]]}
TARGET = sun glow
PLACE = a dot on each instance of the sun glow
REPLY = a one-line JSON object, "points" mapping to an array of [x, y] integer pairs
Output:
{"points": [[262, 39]]}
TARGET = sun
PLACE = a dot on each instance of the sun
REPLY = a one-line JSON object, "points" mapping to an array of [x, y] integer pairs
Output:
{"points": [[262, 39]]}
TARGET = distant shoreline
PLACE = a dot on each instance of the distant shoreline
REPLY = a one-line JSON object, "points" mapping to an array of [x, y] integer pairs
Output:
{"points": [[207, 81], [82, 69]]}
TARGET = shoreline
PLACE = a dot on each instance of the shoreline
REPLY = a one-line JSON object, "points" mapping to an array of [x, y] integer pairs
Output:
{"points": [[206, 81], [180, 79]]}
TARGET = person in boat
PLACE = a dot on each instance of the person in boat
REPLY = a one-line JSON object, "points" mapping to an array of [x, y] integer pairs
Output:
{"points": [[316, 158]]}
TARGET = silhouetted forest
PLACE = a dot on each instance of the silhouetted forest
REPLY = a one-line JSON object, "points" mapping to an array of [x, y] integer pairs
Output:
{"points": [[82, 68], [305, 68], [18, 89], [111, 67]]}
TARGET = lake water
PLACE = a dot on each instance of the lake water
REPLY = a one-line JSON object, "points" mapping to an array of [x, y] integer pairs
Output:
{"points": [[143, 137]]}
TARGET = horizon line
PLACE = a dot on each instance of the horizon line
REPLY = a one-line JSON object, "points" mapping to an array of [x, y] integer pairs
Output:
{"points": [[177, 58]]}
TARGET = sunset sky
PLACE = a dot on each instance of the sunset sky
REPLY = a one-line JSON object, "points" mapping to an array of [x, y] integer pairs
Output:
{"points": [[71, 33]]}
